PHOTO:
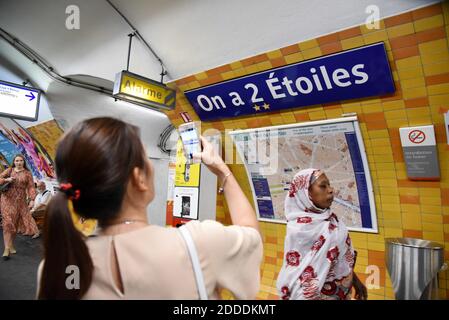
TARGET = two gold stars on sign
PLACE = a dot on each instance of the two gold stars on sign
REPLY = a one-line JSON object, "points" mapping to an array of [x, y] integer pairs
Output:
{"points": [[266, 106]]}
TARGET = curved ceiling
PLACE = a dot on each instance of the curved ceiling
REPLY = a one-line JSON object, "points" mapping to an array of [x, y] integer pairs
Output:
{"points": [[190, 36]]}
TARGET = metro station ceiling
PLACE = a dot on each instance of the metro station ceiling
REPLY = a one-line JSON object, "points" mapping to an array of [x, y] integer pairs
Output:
{"points": [[189, 36]]}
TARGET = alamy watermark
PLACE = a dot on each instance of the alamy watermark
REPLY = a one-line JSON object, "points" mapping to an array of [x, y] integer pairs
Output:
{"points": [[72, 21], [372, 21], [72, 282], [259, 149]]}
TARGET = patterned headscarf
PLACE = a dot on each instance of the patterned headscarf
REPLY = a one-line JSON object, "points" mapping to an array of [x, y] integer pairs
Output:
{"points": [[317, 248]]}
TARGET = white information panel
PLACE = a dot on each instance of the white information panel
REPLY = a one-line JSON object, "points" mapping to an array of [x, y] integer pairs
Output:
{"points": [[273, 155], [19, 102], [186, 203]]}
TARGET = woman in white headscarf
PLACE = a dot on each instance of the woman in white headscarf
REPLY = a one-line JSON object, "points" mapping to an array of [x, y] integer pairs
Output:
{"points": [[318, 255]]}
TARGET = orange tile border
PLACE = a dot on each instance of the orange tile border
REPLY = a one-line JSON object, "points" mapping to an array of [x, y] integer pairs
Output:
{"points": [[407, 184], [290, 49], [445, 198], [375, 116], [330, 38], [440, 133], [409, 199], [376, 125], [218, 70], [210, 80], [428, 184], [248, 61], [185, 80], [398, 156], [373, 254], [437, 79], [394, 134], [349, 33], [261, 58], [264, 122], [430, 35], [403, 41], [417, 102], [445, 219], [270, 260], [399, 19], [330, 48], [302, 117], [427, 11], [412, 234], [278, 62], [253, 123], [271, 240], [405, 52], [218, 125]]}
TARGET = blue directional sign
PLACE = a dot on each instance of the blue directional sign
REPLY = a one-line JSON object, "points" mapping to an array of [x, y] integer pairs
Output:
{"points": [[356, 73], [18, 101]]}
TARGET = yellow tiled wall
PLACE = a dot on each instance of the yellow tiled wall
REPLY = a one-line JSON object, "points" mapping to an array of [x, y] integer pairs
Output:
{"points": [[417, 47]]}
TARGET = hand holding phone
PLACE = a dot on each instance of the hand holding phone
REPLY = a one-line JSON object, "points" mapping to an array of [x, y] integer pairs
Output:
{"points": [[190, 141]]}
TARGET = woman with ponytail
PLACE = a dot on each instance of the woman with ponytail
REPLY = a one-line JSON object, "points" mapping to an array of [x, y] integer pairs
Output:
{"points": [[105, 175]]}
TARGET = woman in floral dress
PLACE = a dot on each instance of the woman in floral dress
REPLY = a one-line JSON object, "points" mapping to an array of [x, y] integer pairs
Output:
{"points": [[16, 217]]}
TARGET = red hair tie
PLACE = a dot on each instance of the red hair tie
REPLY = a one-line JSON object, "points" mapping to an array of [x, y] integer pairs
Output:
{"points": [[67, 188]]}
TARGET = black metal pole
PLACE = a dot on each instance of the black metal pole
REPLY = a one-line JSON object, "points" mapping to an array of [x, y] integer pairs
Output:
{"points": [[131, 35]]}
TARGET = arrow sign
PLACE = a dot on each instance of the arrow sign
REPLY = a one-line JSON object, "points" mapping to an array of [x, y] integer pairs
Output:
{"points": [[31, 96], [19, 102]]}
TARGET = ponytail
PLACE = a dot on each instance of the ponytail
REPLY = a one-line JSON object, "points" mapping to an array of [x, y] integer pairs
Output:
{"points": [[64, 246], [94, 161]]}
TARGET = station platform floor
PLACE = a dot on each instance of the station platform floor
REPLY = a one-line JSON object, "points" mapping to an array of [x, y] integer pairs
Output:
{"points": [[18, 275]]}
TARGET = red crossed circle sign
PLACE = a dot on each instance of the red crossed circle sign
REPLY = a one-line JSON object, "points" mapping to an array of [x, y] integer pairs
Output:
{"points": [[417, 136]]}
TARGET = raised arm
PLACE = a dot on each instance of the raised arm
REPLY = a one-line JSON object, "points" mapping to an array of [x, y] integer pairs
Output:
{"points": [[240, 209]]}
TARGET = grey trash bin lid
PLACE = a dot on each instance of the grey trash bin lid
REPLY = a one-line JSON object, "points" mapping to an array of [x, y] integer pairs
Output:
{"points": [[414, 243]]}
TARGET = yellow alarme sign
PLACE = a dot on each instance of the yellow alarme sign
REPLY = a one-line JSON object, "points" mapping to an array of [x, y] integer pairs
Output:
{"points": [[140, 89], [133, 87]]}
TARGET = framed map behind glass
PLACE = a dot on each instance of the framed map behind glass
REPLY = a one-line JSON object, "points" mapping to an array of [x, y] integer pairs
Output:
{"points": [[273, 155]]}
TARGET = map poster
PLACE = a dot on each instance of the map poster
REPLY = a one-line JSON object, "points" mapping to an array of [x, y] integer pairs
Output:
{"points": [[273, 155]]}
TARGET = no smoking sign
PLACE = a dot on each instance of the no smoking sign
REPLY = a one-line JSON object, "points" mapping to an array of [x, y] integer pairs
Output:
{"points": [[419, 149], [417, 136]]}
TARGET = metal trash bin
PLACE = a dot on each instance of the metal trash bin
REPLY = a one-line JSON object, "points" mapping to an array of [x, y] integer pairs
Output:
{"points": [[413, 265]]}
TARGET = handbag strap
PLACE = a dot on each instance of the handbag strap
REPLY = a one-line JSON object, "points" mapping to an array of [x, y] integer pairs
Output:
{"points": [[195, 262]]}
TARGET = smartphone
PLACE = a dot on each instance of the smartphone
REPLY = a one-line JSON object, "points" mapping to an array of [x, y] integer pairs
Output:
{"points": [[190, 141]]}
